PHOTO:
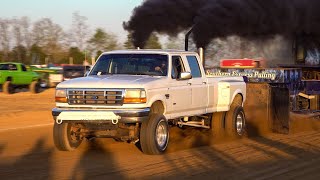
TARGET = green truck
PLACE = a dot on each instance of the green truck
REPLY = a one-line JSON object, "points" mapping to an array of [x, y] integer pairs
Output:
{"points": [[14, 75], [46, 76]]}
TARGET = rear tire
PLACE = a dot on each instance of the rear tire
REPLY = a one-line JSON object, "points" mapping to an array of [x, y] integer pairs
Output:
{"points": [[43, 83], [65, 138], [8, 88], [217, 123], [34, 87], [154, 135], [235, 122], [237, 101]]}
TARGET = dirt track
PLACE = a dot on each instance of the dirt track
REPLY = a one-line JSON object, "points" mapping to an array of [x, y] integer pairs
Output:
{"points": [[27, 151]]}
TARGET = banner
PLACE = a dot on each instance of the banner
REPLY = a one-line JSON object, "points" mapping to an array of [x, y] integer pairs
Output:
{"points": [[268, 75]]}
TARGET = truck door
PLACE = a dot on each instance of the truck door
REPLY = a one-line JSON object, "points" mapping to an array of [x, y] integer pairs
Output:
{"points": [[179, 90], [24, 75], [199, 87], [14, 73]]}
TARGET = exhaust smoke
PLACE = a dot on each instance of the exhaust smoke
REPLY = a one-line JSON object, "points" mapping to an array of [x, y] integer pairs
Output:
{"points": [[252, 19]]}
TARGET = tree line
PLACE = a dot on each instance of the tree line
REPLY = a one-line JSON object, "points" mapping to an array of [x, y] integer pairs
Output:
{"points": [[45, 41]]}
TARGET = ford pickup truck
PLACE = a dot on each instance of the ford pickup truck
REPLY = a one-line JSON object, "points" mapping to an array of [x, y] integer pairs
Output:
{"points": [[136, 95], [13, 75]]}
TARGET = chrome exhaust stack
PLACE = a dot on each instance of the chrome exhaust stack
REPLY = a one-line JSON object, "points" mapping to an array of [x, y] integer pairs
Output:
{"points": [[186, 39]]}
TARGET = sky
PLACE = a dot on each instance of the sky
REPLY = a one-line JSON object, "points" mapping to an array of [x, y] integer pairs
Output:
{"points": [[106, 14]]}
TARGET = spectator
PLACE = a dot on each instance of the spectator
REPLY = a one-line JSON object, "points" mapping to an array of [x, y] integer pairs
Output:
{"points": [[162, 68]]}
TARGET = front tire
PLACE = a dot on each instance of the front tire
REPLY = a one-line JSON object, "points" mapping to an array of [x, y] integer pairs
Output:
{"points": [[66, 136], [34, 87], [8, 87], [154, 135]]}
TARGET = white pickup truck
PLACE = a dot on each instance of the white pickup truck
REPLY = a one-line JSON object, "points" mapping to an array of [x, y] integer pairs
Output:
{"points": [[135, 95]]}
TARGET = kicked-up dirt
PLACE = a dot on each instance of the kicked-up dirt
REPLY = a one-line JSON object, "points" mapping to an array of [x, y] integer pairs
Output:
{"points": [[27, 150]]}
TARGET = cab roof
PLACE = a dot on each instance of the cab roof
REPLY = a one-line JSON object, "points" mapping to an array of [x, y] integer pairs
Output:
{"points": [[148, 51], [10, 63]]}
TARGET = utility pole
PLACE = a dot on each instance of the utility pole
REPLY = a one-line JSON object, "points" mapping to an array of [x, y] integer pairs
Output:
{"points": [[70, 60]]}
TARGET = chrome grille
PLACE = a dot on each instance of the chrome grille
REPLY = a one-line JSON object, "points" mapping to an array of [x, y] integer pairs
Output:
{"points": [[92, 97]]}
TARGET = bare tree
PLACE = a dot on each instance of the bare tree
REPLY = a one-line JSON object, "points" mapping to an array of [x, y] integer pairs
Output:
{"points": [[49, 36], [17, 31], [26, 32], [79, 30], [18, 38], [5, 37]]}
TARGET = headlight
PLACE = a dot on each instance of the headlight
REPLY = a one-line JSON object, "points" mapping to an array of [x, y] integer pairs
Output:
{"points": [[61, 95], [135, 96]]}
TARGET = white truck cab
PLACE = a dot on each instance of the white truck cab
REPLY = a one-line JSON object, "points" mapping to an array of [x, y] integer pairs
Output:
{"points": [[134, 95]]}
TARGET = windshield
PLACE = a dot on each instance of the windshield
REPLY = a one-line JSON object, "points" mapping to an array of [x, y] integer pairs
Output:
{"points": [[4, 67], [134, 64], [8, 67], [73, 71]]}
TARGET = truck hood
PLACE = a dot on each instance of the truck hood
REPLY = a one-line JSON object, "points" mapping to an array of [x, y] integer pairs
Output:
{"points": [[110, 81]]}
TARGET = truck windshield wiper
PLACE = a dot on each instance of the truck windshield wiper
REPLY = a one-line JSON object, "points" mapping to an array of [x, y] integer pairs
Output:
{"points": [[100, 73], [142, 73]]}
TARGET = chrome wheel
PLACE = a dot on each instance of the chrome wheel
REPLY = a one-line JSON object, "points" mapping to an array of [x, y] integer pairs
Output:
{"points": [[162, 134], [235, 122], [154, 134], [240, 123]]}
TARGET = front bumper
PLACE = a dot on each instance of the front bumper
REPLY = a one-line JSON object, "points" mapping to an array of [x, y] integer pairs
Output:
{"points": [[127, 116]]}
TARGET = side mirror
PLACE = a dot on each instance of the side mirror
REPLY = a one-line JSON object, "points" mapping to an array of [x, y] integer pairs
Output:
{"points": [[185, 76]]}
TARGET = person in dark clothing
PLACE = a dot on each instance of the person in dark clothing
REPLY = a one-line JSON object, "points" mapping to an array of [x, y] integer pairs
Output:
{"points": [[163, 68]]}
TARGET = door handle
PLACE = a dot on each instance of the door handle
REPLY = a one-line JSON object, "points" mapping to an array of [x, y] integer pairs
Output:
{"points": [[189, 84], [204, 82]]}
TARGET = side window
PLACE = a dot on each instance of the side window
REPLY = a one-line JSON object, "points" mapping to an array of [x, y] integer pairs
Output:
{"points": [[177, 67], [194, 66], [4, 66], [23, 68], [12, 67]]}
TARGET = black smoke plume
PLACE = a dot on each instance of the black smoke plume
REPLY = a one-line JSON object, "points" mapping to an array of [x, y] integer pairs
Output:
{"points": [[221, 18]]}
